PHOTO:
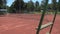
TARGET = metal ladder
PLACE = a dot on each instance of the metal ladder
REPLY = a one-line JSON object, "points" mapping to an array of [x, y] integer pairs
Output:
{"points": [[40, 26]]}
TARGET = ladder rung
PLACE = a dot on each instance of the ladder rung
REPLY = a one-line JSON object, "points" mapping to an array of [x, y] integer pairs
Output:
{"points": [[45, 25]]}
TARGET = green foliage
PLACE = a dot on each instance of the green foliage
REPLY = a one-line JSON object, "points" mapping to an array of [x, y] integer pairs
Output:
{"points": [[3, 3], [37, 3], [21, 6], [59, 5], [54, 4], [30, 6], [17, 6], [37, 7], [2, 6]]}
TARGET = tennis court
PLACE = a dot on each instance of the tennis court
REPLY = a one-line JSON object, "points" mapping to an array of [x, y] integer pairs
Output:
{"points": [[26, 24]]}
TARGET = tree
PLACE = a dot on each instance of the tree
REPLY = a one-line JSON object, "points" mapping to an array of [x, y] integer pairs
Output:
{"points": [[24, 6], [43, 4], [37, 6], [54, 3], [18, 6], [3, 3], [2, 6], [30, 6], [37, 3], [59, 5]]}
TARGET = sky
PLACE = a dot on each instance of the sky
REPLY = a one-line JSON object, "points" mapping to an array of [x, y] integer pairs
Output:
{"points": [[9, 2]]}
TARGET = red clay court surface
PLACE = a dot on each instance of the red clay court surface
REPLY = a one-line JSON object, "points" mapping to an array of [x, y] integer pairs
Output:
{"points": [[26, 24]]}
